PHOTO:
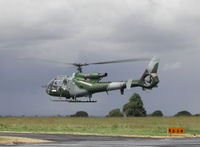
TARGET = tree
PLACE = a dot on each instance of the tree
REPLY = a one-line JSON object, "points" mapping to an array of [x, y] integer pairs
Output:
{"points": [[157, 113], [183, 113], [134, 107], [80, 114], [115, 113], [197, 115]]}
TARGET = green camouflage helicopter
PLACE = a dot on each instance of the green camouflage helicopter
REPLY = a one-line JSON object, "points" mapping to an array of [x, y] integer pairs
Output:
{"points": [[85, 85]]}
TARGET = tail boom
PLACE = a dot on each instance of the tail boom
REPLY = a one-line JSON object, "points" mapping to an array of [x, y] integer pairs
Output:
{"points": [[148, 80]]}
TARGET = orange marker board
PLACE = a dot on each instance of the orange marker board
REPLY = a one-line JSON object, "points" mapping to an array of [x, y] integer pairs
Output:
{"points": [[175, 130]]}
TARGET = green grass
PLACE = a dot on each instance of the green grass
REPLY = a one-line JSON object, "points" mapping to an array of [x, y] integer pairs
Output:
{"points": [[145, 126], [2, 139], [5, 138]]}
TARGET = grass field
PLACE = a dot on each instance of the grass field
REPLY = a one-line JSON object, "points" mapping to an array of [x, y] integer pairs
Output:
{"points": [[2, 139], [141, 126]]}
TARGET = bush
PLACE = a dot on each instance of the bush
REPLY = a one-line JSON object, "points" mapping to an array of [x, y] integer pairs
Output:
{"points": [[80, 114], [157, 113], [134, 107], [183, 113], [115, 113], [197, 115]]}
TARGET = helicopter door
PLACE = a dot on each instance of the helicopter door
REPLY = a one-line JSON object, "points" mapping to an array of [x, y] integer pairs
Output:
{"points": [[65, 82]]}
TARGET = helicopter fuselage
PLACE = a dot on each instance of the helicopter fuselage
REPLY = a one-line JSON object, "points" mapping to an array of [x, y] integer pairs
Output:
{"points": [[85, 85], [73, 87]]}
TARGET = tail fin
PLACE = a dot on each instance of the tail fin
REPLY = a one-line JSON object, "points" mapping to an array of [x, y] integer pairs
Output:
{"points": [[149, 78], [153, 65]]}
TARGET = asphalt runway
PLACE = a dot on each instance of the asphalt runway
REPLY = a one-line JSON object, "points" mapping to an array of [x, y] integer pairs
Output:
{"points": [[103, 141]]}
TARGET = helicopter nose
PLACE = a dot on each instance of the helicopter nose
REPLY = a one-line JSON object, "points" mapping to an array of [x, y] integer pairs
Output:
{"points": [[47, 89]]}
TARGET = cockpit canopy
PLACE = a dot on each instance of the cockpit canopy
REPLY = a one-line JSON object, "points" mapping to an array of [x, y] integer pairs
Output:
{"points": [[58, 81]]}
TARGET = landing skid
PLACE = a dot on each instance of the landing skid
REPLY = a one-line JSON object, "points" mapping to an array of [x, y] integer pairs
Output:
{"points": [[74, 101]]}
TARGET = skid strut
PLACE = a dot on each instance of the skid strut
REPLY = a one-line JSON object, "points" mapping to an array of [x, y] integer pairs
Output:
{"points": [[75, 101]]}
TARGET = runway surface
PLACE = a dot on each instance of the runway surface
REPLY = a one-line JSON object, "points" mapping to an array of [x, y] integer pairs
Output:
{"points": [[103, 141]]}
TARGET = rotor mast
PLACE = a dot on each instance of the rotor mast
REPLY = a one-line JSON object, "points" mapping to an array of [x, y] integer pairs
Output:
{"points": [[79, 68]]}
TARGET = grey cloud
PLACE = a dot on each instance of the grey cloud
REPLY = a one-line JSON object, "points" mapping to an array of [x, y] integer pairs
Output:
{"points": [[87, 31]]}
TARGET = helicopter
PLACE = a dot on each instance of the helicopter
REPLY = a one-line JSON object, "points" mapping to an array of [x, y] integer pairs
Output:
{"points": [[86, 84]]}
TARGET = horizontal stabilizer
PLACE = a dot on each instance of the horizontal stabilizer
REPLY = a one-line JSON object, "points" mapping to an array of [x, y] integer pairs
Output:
{"points": [[128, 83]]}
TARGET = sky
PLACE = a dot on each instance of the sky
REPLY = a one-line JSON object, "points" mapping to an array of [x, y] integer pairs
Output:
{"points": [[92, 31]]}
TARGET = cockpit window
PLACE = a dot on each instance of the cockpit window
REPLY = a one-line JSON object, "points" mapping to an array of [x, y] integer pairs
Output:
{"points": [[57, 82]]}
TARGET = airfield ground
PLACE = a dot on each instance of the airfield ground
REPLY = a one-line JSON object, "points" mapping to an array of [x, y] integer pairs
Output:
{"points": [[20, 140], [135, 126], [102, 141]]}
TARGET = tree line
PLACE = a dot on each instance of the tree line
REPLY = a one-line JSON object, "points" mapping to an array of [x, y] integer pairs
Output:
{"points": [[134, 108]]}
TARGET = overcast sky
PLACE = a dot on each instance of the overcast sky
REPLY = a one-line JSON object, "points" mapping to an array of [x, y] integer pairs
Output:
{"points": [[98, 30]]}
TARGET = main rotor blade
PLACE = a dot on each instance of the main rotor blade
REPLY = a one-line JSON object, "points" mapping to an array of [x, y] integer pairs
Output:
{"points": [[121, 61], [51, 61], [104, 62], [79, 65]]}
